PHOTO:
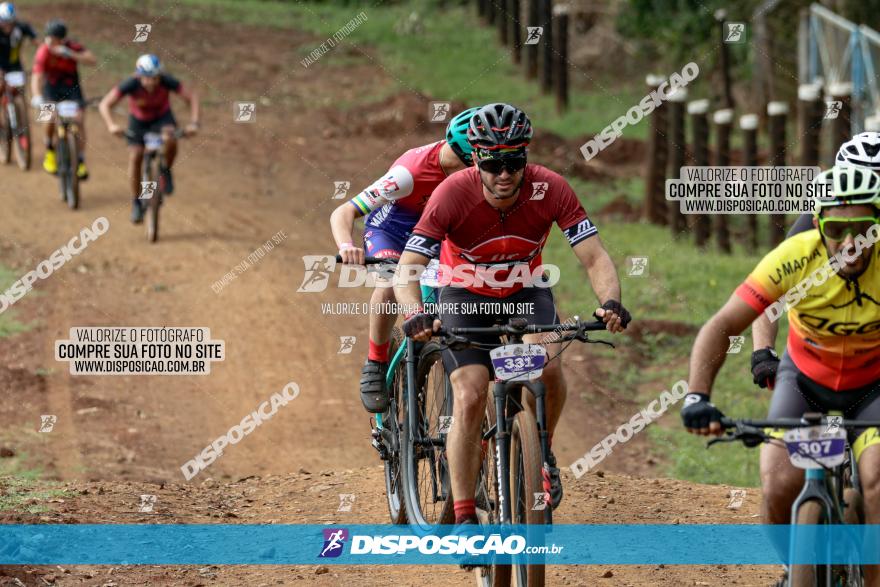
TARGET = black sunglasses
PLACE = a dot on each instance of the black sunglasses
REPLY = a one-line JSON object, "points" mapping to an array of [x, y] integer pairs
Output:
{"points": [[496, 166]]}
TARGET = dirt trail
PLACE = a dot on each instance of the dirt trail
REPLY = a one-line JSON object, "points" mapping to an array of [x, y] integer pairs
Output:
{"points": [[237, 186]]}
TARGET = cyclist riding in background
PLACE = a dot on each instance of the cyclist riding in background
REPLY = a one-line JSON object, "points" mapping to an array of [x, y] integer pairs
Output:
{"points": [[13, 32], [862, 150], [497, 216], [830, 278], [149, 106], [393, 205], [56, 79]]}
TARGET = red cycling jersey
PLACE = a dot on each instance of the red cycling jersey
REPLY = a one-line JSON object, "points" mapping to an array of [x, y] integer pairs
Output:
{"points": [[57, 69], [475, 233], [148, 106]]}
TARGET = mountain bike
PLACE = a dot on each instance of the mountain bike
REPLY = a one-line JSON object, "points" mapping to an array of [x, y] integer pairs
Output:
{"points": [[408, 436], [67, 131], [152, 189], [514, 483], [15, 134], [831, 494]]}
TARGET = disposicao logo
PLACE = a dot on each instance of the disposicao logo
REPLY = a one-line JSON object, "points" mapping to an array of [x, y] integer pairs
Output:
{"points": [[334, 540]]}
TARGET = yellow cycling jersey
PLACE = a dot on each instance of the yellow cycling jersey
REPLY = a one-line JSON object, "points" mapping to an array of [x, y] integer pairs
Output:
{"points": [[834, 328]]}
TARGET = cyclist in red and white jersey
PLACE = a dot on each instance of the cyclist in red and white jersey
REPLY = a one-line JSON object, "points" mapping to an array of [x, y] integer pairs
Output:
{"points": [[496, 217], [393, 205], [56, 79]]}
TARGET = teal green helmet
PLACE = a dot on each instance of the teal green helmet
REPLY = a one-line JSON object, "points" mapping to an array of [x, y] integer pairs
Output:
{"points": [[456, 135]]}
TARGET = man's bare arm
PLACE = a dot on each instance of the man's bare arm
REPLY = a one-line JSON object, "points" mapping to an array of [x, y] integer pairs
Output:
{"points": [[603, 277], [710, 348], [408, 291], [764, 333]]}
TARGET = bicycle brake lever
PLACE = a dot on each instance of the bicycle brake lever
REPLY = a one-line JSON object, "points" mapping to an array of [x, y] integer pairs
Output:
{"points": [[728, 438], [584, 337]]}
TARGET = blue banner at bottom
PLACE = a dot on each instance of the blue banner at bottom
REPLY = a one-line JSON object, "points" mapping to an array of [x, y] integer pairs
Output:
{"points": [[241, 544]]}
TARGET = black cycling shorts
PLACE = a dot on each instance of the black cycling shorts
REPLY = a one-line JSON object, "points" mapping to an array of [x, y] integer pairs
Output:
{"points": [[138, 128], [60, 92], [541, 311], [795, 394]]}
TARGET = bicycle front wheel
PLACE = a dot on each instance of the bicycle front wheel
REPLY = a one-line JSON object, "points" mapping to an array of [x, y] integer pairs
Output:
{"points": [[21, 134], [810, 512], [151, 174], [5, 136], [528, 498], [392, 424], [425, 468], [68, 157], [487, 498]]}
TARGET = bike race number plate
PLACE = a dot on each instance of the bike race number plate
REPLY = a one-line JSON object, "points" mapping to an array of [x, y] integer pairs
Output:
{"points": [[518, 362], [68, 109], [15, 79], [153, 141], [815, 446]]}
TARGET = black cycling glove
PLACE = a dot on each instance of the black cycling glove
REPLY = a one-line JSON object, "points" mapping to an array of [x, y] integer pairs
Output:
{"points": [[765, 362], [617, 308], [698, 412], [417, 323]]}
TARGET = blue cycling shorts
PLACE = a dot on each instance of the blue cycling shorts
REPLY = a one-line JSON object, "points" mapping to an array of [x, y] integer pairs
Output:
{"points": [[386, 231]]}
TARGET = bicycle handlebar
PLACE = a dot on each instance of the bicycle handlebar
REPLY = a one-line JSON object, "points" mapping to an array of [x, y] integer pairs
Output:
{"points": [[516, 328], [372, 260], [789, 423], [178, 133]]}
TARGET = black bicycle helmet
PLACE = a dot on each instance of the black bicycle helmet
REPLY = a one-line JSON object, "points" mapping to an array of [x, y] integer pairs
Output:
{"points": [[56, 28], [499, 126]]}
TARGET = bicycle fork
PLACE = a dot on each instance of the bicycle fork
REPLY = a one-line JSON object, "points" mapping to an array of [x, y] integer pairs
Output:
{"points": [[502, 451], [814, 490]]}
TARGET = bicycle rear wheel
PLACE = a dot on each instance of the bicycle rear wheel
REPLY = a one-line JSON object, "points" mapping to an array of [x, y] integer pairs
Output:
{"points": [[425, 469], [22, 134], [392, 423], [526, 485]]}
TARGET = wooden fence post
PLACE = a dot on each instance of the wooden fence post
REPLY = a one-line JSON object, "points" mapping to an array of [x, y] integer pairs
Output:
{"points": [[655, 170], [561, 54], [533, 20], [723, 120], [749, 125], [547, 40], [777, 114], [677, 150], [698, 110], [515, 30]]}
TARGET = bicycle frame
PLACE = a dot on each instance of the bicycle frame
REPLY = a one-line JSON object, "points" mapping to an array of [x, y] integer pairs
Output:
{"points": [[405, 352]]}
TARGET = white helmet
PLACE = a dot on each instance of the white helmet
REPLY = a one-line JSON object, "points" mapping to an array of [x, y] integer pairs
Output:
{"points": [[7, 12], [850, 185], [148, 65], [863, 149]]}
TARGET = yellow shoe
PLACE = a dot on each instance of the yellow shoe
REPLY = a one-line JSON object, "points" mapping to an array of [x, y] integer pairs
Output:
{"points": [[49, 163], [81, 171]]}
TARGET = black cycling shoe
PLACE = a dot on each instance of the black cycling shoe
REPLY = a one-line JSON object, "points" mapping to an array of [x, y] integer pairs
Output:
{"points": [[167, 181], [374, 396], [555, 481], [137, 212]]}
